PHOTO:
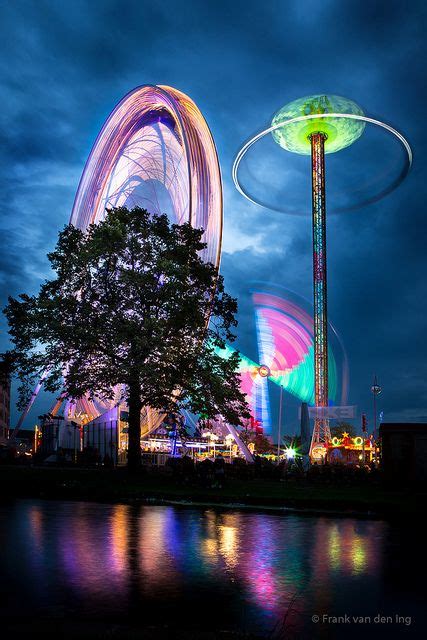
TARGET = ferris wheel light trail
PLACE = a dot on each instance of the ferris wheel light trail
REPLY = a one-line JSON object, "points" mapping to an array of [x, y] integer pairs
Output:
{"points": [[155, 151], [317, 125]]}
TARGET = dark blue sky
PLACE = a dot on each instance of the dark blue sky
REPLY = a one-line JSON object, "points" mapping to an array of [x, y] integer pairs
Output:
{"points": [[64, 65]]}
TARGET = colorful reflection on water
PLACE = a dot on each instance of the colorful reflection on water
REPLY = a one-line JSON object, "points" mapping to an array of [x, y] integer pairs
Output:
{"points": [[189, 567]]}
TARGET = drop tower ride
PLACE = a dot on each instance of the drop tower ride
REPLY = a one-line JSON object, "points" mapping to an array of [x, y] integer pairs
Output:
{"points": [[319, 125]]}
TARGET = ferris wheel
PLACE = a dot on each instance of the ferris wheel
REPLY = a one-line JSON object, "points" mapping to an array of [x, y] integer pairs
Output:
{"points": [[154, 151]]}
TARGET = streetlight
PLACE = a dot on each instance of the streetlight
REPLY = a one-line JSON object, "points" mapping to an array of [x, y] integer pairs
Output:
{"points": [[206, 434], [229, 439], [376, 390], [213, 438]]}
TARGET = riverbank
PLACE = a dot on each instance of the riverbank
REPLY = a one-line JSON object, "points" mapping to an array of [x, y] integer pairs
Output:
{"points": [[97, 630], [161, 486]]}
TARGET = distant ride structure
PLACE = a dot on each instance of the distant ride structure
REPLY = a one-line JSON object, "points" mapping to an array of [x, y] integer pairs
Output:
{"points": [[318, 125]]}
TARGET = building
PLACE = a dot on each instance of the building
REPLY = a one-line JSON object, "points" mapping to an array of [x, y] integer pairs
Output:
{"points": [[404, 452], [4, 411]]}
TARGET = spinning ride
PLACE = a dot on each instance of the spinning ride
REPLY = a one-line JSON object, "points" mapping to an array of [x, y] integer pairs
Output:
{"points": [[285, 338], [315, 126]]}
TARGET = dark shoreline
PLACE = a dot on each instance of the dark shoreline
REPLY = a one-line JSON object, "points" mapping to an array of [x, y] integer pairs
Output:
{"points": [[157, 487]]}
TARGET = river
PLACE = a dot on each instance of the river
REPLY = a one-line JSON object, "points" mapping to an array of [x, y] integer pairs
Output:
{"points": [[77, 563]]}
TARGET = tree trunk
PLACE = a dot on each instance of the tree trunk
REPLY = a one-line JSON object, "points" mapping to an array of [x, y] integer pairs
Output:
{"points": [[135, 406]]}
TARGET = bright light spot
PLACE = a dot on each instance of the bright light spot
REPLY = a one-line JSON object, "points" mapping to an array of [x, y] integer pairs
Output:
{"points": [[290, 453], [264, 371]]}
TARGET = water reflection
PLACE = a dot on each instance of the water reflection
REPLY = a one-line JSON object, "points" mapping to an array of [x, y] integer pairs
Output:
{"points": [[156, 562], [35, 515], [118, 539], [228, 544]]}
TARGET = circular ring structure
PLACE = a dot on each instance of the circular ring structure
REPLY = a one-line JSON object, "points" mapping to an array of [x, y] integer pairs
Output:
{"points": [[156, 151], [395, 183]]}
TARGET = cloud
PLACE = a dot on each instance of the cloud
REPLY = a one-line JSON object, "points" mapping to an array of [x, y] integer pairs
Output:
{"points": [[64, 66]]}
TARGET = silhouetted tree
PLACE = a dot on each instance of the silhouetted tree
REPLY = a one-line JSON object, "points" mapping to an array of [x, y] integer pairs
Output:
{"points": [[129, 305]]}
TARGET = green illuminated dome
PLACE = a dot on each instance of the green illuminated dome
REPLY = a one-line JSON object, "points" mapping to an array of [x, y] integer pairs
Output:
{"points": [[340, 132]]}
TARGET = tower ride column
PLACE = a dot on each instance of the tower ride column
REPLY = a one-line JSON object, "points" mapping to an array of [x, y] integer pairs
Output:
{"points": [[321, 432]]}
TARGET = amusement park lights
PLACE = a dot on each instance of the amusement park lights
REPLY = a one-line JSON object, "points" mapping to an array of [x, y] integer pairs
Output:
{"points": [[213, 438], [229, 439], [318, 125], [290, 453], [350, 449]]}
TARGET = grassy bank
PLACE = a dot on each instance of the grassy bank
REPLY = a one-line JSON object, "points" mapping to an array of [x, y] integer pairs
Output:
{"points": [[155, 485], [97, 630]]}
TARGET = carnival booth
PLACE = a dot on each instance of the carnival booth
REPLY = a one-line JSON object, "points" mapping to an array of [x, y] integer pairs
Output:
{"points": [[350, 451]]}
